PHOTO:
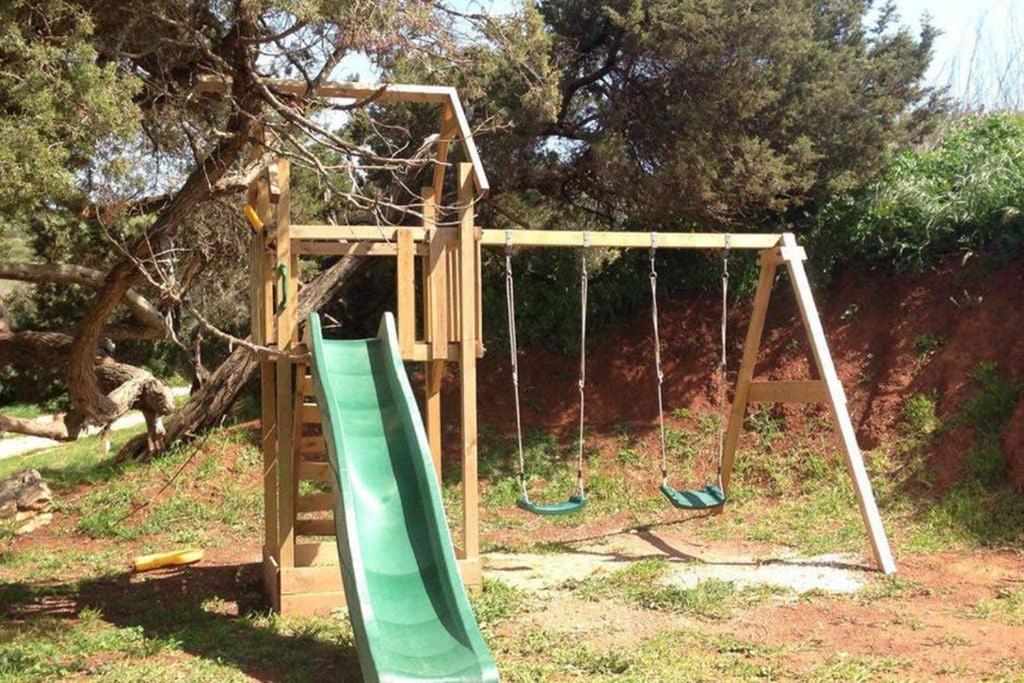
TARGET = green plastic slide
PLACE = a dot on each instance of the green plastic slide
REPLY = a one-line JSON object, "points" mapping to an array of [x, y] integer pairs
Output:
{"points": [[408, 607]]}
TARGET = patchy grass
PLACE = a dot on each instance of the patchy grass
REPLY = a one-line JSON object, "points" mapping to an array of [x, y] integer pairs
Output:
{"points": [[673, 655], [78, 462], [641, 583], [891, 588], [1007, 606], [844, 666], [181, 494], [24, 411], [496, 602]]}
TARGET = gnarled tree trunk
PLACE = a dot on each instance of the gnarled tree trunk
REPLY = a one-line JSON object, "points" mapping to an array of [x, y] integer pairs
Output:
{"points": [[208, 406]]}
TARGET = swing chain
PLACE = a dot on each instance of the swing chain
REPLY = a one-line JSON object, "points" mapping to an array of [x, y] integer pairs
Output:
{"points": [[513, 348]]}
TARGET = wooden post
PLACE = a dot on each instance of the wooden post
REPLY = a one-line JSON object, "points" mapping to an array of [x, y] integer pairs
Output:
{"points": [[405, 275], [746, 373], [435, 287], [286, 306], [264, 333], [837, 402], [467, 363]]}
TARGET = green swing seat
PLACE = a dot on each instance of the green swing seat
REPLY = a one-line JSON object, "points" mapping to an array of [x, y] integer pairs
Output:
{"points": [[574, 504], [711, 496]]}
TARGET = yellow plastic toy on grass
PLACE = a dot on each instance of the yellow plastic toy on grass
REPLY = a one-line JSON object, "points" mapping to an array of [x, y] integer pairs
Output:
{"points": [[175, 558]]}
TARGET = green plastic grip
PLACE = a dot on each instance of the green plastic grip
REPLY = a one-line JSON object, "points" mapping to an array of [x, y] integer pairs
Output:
{"points": [[282, 284]]}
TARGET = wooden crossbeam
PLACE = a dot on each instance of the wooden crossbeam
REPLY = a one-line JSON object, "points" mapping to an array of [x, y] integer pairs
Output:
{"points": [[358, 248], [625, 240], [314, 471], [314, 502], [804, 391], [314, 527]]}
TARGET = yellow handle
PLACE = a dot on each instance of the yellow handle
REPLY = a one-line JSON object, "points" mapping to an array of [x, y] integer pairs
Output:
{"points": [[175, 558], [254, 218]]}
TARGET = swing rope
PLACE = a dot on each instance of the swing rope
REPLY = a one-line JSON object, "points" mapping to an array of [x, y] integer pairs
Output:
{"points": [[657, 358], [723, 359], [711, 495], [578, 500], [584, 284], [513, 349]]}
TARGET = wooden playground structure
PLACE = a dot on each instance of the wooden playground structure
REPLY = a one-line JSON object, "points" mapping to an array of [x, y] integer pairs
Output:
{"points": [[438, 309]]}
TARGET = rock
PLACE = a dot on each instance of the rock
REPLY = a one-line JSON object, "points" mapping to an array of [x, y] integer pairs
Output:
{"points": [[24, 491], [34, 521]]}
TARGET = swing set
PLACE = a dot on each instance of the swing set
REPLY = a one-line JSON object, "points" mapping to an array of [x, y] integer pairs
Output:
{"points": [[438, 310], [712, 495]]}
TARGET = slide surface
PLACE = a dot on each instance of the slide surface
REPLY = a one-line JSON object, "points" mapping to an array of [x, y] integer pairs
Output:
{"points": [[407, 603]]}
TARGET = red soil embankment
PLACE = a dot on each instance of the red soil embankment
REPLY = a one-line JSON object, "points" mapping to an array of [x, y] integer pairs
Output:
{"points": [[892, 336]]}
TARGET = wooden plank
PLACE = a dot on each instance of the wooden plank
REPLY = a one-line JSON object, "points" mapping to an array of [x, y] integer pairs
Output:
{"points": [[271, 582], [306, 386], [313, 604], [268, 440], [267, 334], [436, 277], [314, 502], [471, 572], [314, 471], [625, 240], [287, 337], [312, 445], [746, 372], [804, 391], [467, 365], [837, 401], [469, 146], [310, 414], [449, 129], [780, 255], [454, 292], [363, 248], [433, 373], [322, 554], [314, 527], [435, 285], [478, 298], [423, 352], [313, 579], [353, 233], [348, 90], [406, 285]]}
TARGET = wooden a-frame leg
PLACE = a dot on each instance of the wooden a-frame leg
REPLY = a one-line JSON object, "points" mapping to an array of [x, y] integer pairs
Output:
{"points": [[837, 402], [746, 372]]}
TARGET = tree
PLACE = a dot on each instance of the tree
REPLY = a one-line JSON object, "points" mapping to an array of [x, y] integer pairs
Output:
{"points": [[136, 157]]}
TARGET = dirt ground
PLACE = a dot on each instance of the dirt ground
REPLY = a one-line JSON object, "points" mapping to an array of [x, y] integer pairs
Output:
{"points": [[925, 625]]}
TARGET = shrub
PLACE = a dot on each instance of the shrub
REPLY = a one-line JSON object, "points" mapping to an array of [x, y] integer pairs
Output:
{"points": [[963, 194]]}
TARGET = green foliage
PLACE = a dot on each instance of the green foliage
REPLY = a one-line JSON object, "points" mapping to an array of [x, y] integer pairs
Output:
{"points": [[767, 423], [808, 102], [927, 345], [988, 412], [963, 194], [918, 415], [61, 103]]}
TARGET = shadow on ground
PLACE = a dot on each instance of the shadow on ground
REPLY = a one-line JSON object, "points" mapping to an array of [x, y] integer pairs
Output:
{"points": [[213, 612]]}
